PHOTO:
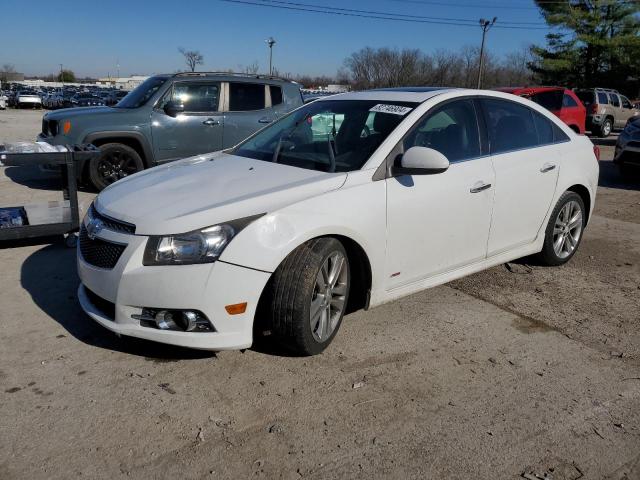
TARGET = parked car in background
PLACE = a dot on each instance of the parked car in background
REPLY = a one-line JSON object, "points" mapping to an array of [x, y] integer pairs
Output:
{"points": [[560, 101], [86, 100], [606, 110], [627, 152], [289, 230], [3, 101], [169, 117], [28, 99]]}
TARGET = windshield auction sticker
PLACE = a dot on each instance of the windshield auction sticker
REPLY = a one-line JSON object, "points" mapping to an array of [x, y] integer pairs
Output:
{"points": [[395, 109]]}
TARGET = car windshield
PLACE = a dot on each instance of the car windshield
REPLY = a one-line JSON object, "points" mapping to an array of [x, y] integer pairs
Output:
{"points": [[329, 135], [142, 93]]}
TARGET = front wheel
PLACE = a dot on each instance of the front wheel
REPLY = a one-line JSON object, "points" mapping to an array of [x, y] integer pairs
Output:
{"points": [[564, 230], [116, 161], [309, 295]]}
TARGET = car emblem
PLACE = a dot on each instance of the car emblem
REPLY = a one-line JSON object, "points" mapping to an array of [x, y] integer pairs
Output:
{"points": [[94, 227]]}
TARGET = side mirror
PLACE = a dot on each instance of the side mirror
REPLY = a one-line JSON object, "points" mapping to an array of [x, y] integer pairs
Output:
{"points": [[420, 161], [173, 108]]}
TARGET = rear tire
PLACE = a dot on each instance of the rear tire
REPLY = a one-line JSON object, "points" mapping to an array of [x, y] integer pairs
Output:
{"points": [[564, 230], [605, 129], [115, 162], [309, 295]]}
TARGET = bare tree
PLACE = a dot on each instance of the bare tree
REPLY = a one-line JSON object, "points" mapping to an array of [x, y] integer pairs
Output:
{"points": [[8, 67], [192, 58]]}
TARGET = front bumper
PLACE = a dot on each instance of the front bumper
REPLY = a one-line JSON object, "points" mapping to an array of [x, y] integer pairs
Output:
{"points": [[130, 286], [627, 149]]}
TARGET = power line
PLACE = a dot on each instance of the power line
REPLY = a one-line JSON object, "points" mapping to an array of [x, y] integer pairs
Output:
{"points": [[392, 14], [373, 16], [503, 6]]}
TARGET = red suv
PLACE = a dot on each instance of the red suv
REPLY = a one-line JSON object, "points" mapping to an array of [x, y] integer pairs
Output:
{"points": [[562, 102]]}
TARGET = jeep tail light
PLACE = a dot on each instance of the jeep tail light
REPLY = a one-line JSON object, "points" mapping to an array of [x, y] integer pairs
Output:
{"points": [[594, 108]]}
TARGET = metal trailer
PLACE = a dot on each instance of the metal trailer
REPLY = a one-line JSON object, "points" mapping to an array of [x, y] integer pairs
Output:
{"points": [[64, 219]]}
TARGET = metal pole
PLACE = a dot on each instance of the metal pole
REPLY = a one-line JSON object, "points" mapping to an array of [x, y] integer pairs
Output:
{"points": [[271, 42], [61, 76]]}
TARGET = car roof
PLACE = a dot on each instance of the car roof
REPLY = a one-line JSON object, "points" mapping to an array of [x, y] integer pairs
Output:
{"points": [[529, 90], [403, 94], [233, 75]]}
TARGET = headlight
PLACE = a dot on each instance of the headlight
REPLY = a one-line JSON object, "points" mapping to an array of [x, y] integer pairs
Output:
{"points": [[200, 246]]}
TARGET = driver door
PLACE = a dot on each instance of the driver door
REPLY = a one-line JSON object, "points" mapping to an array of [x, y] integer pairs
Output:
{"points": [[198, 130], [438, 223]]}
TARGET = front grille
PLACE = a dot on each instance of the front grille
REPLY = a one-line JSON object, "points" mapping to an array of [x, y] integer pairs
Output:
{"points": [[105, 306], [49, 127], [111, 223], [98, 252]]}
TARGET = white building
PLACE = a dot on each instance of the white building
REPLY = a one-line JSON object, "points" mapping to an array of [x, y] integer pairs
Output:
{"points": [[122, 83]]}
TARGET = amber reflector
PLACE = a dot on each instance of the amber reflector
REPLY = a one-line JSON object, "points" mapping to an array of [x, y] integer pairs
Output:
{"points": [[236, 309]]}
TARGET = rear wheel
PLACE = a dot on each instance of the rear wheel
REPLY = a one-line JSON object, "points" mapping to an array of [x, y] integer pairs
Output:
{"points": [[115, 162], [605, 129], [564, 230], [309, 295]]}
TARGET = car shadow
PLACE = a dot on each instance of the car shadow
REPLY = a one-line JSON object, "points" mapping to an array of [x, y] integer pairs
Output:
{"points": [[33, 177], [604, 142], [611, 177], [50, 277]]}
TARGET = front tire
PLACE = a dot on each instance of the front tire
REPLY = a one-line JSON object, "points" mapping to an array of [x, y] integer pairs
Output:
{"points": [[115, 162], [309, 295], [564, 230]]}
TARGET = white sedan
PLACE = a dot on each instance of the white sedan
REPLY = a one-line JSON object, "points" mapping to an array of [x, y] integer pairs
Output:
{"points": [[402, 190]]}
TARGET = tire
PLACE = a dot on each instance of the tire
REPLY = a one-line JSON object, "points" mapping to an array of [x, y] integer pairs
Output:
{"points": [[295, 295], [116, 161], [605, 129], [568, 237]]}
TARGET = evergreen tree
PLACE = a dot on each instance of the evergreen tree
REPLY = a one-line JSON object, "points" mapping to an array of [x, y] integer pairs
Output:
{"points": [[597, 45]]}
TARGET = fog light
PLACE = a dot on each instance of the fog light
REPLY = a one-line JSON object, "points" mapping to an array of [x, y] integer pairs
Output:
{"points": [[175, 320]]}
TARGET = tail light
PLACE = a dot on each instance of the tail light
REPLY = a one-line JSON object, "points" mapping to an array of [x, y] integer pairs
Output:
{"points": [[596, 152], [594, 108]]}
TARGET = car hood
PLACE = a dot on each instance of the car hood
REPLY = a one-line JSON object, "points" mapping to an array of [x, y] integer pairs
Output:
{"points": [[66, 113], [209, 189]]}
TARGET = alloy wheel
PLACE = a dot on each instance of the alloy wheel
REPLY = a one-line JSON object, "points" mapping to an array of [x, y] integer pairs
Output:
{"points": [[116, 165], [328, 298], [567, 229]]}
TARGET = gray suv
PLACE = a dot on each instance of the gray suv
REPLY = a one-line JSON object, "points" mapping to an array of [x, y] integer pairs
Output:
{"points": [[170, 117], [607, 110]]}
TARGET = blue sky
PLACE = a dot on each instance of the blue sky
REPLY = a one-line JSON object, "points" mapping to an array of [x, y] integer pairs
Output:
{"points": [[89, 37]]}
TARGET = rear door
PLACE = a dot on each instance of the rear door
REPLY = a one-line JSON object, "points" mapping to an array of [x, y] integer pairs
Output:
{"points": [[526, 167], [248, 109], [619, 119], [198, 130]]}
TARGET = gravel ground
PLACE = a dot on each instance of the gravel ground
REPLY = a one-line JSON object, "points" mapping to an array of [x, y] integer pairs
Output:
{"points": [[519, 369]]}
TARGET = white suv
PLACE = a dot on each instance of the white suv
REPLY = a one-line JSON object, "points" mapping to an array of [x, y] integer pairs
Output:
{"points": [[346, 203]]}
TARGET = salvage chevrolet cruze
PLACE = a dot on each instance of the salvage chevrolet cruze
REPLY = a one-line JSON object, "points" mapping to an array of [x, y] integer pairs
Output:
{"points": [[346, 203]]}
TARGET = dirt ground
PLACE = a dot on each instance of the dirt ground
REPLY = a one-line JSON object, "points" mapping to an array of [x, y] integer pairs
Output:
{"points": [[517, 370]]}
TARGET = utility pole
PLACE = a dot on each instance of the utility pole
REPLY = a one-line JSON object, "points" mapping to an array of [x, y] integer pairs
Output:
{"points": [[61, 76], [271, 42], [486, 26]]}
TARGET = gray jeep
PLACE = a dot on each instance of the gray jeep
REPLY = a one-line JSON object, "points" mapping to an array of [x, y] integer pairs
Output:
{"points": [[169, 117]]}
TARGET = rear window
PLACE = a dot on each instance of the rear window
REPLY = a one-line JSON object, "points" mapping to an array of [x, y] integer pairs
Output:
{"points": [[246, 96], [551, 100], [276, 95], [585, 96], [603, 99]]}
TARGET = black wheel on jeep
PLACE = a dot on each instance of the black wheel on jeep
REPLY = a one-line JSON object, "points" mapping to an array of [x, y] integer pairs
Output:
{"points": [[117, 161], [605, 129]]}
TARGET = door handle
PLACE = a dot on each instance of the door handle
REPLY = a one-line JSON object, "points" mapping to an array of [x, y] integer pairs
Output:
{"points": [[265, 120], [211, 122], [547, 167], [479, 187]]}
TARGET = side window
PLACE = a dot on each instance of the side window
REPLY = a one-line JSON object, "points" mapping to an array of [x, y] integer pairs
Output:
{"points": [[451, 129], [615, 101], [197, 97], [510, 125], [276, 95], [568, 101], [544, 128], [625, 102], [246, 96], [603, 99]]}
